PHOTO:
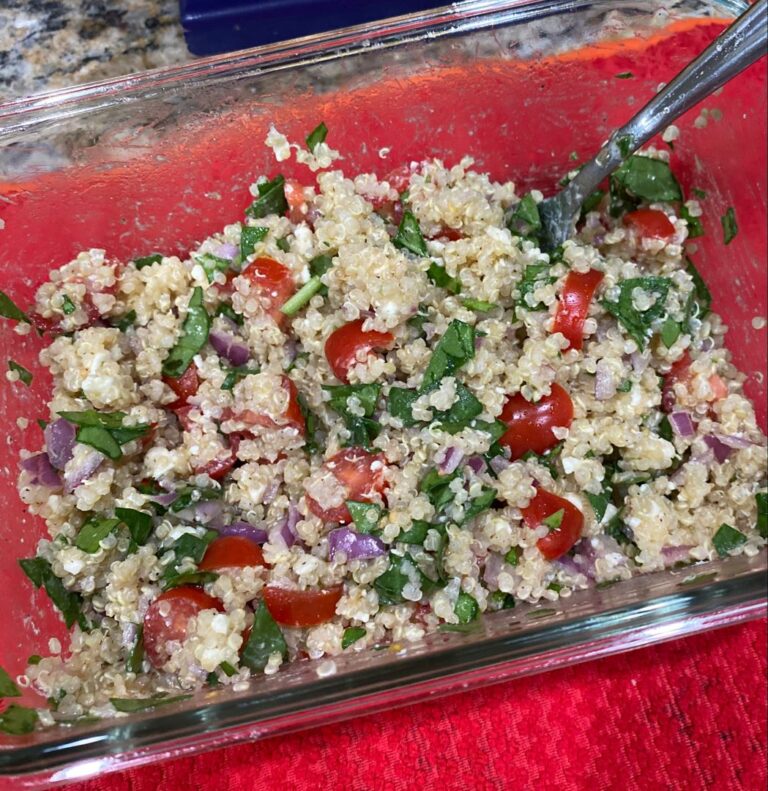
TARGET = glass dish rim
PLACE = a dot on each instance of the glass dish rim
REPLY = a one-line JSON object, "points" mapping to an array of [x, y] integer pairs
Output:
{"points": [[715, 603]]}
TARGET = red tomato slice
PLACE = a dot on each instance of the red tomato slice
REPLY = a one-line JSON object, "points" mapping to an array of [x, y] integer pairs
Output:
{"points": [[167, 618], [185, 386], [574, 305], [301, 608], [362, 476], [562, 538], [292, 416], [231, 552], [650, 224], [274, 283], [449, 234], [531, 424], [679, 372], [349, 342]]}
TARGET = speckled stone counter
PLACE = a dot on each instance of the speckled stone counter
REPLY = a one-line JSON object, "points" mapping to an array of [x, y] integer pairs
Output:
{"points": [[57, 43]]}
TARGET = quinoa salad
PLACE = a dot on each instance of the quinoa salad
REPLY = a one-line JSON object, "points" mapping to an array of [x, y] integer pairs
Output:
{"points": [[372, 409]]}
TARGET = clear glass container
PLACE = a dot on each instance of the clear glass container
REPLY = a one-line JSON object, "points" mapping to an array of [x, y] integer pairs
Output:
{"points": [[161, 159]]}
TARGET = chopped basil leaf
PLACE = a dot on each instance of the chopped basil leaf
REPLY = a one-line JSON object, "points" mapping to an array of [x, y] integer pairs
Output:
{"points": [[366, 516], [190, 578], [700, 300], [730, 227], [8, 688], [436, 487], [761, 500], [638, 323], [726, 539], [670, 332], [546, 459], [42, 423], [194, 334], [265, 639], [362, 429], [138, 523], [68, 602], [317, 136], [295, 303], [131, 705], [234, 375], [318, 266], [645, 179], [480, 305], [700, 194], [190, 496], [225, 309], [461, 412], [187, 546], [555, 586], [351, 635], [283, 244], [125, 321], [624, 387], [624, 144], [227, 669], [101, 440], [625, 75], [24, 375], [147, 260], [400, 405], [502, 601], [592, 201], [67, 306], [419, 320], [212, 679], [8, 309], [513, 556], [442, 279], [534, 276], [664, 429], [695, 227], [525, 220], [455, 348], [35, 659], [250, 236], [311, 424], [136, 657], [271, 199], [553, 521], [466, 608], [416, 533], [599, 503], [479, 504], [104, 431], [18, 720], [212, 264], [390, 584], [93, 532], [409, 236]]}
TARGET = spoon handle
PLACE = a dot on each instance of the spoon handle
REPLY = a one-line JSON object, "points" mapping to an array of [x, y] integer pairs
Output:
{"points": [[743, 43]]}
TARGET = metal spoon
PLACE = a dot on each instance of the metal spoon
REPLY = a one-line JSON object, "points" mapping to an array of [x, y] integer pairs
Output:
{"points": [[743, 43]]}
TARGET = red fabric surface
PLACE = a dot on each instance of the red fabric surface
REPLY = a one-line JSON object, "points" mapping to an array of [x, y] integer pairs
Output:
{"points": [[688, 714]]}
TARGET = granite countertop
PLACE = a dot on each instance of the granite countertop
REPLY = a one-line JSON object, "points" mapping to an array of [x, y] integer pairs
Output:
{"points": [[57, 43]]}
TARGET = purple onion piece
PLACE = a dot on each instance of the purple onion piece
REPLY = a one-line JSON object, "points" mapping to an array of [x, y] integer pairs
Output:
{"points": [[451, 459], [499, 464], [605, 382], [235, 351], [720, 449], [227, 250], [74, 477], [493, 565], [288, 526], [673, 555], [208, 510], [734, 441], [682, 424], [60, 442], [476, 464], [165, 499], [245, 530], [356, 546], [41, 470]]}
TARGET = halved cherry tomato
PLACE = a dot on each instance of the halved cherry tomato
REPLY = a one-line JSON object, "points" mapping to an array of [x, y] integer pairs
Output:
{"points": [[185, 386], [450, 234], [231, 552], [650, 223], [681, 373], [362, 476], [274, 283], [531, 424], [182, 413], [292, 417], [562, 538], [167, 619], [349, 343], [574, 305], [297, 204], [301, 608]]}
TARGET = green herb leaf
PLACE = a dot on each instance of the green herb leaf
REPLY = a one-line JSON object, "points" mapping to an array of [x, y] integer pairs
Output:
{"points": [[283, 244], [212, 264], [479, 305], [8, 309], [125, 321], [670, 332], [8, 688], [235, 375], [194, 334], [700, 194], [67, 306], [366, 516], [93, 532], [461, 413], [42, 423], [296, 302], [502, 601], [190, 578], [730, 227], [646, 179], [351, 635], [400, 405], [599, 503], [271, 199], [456, 347], [638, 324], [419, 320], [513, 556], [139, 524], [187, 546], [624, 144], [726, 539], [101, 440], [442, 279], [592, 201], [466, 608], [664, 429], [409, 236], [553, 521], [192, 495], [265, 639], [250, 236], [534, 276], [700, 300], [547, 459], [695, 227], [318, 266], [68, 602], [226, 309], [317, 136], [479, 504], [35, 659], [24, 375], [525, 220], [136, 657], [761, 500], [416, 534], [436, 487], [147, 260], [132, 705], [311, 423], [625, 386], [362, 429], [18, 720], [104, 431], [625, 75], [390, 584]]}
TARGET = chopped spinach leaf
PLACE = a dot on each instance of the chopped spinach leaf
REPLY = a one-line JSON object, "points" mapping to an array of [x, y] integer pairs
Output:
{"points": [[479, 305], [624, 387], [624, 144], [761, 500], [695, 227], [400, 405], [226, 309], [250, 236], [513, 556], [461, 412], [419, 320], [235, 375], [481, 503], [68, 602], [264, 640], [8, 309], [664, 429], [390, 584], [318, 266], [726, 539], [93, 532], [553, 521], [35, 659], [191, 495], [599, 503], [68, 307], [534, 276], [136, 657], [670, 332], [700, 300], [24, 375], [466, 608], [502, 601], [638, 323], [442, 279], [194, 334], [187, 546], [699, 193], [212, 264], [546, 459], [105, 431], [645, 179], [190, 578], [125, 321], [317, 136], [730, 227], [409, 236], [8, 688], [42, 423], [147, 260], [363, 430], [456, 347], [283, 244], [271, 199], [131, 705], [311, 423], [592, 201], [625, 75], [18, 720], [525, 220], [227, 669], [351, 635], [416, 534], [138, 523], [366, 516], [436, 487]]}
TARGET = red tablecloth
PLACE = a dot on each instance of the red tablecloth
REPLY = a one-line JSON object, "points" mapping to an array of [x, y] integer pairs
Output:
{"points": [[685, 715]]}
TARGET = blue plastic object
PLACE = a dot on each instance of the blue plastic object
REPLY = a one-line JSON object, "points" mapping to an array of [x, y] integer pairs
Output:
{"points": [[213, 26]]}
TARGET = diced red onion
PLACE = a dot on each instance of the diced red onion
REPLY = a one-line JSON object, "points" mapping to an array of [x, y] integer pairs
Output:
{"points": [[356, 546], [451, 459], [605, 382], [291, 350], [245, 530], [639, 362], [288, 528], [682, 424], [479, 341], [60, 442], [476, 464], [165, 499], [42, 471], [227, 250], [235, 351], [707, 344], [734, 441], [88, 466], [493, 566], [674, 555], [271, 492], [720, 449], [499, 464]]}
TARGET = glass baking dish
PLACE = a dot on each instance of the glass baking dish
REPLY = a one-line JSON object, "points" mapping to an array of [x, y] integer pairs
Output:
{"points": [[161, 159]]}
